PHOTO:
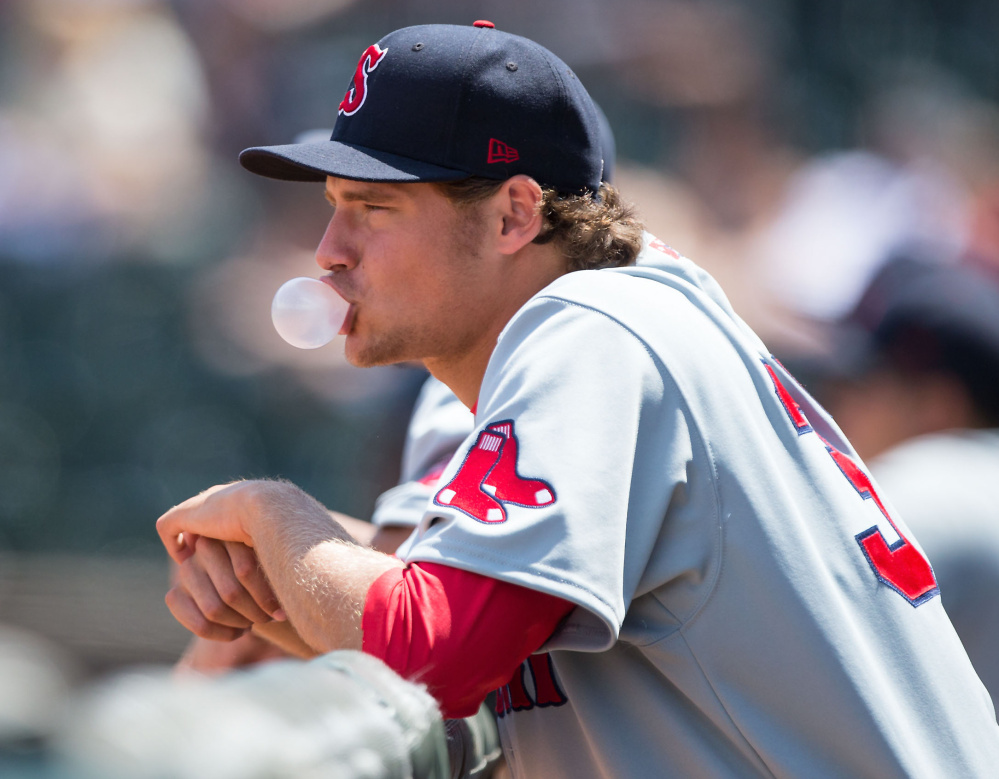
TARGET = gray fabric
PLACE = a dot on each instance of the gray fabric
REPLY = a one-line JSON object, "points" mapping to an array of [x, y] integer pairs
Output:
{"points": [[728, 622], [946, 488], [344, 715]]}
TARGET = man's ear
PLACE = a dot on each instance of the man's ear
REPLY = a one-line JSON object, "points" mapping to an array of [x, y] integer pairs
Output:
{"points": [[518, 201]]}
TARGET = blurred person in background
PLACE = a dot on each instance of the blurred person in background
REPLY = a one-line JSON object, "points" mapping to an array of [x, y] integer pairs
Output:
{"points": [[921, 183], [917, 391]]}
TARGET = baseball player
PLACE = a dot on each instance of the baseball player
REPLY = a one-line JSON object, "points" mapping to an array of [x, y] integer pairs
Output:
{"points": [[655, 546]]}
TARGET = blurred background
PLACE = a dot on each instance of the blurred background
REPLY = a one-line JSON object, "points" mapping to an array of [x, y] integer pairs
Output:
{"points": [[814, 157]]}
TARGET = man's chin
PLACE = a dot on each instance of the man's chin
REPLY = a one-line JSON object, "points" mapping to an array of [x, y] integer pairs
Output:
{"points": [[372, 355]]}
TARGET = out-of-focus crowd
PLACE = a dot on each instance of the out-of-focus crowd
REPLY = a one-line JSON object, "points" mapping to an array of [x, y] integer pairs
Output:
{"points": [[835, 166]]}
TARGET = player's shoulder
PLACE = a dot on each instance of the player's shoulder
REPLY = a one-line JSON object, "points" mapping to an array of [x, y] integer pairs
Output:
{"points": [[657, 262], [663, 288], [638, 308], [603, 287]]}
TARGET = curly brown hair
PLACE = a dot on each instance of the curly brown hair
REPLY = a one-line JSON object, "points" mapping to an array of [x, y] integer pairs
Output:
{"points": [[601, 231]]}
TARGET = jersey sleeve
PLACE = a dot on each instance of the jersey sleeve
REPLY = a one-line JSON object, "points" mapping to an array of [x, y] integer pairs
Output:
{"points": [[563, 486], [459, 633], [438, 425]]}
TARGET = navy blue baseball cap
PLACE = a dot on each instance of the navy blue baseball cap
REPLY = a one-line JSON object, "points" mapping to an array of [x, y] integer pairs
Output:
{"points": [[446, 102]]}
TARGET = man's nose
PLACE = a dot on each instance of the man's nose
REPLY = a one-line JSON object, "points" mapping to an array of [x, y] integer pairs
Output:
{"points": [[335, 251]]}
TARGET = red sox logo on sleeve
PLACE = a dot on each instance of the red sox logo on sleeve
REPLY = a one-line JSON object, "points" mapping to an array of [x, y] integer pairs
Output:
{"points": [[488, 480], [354, 98]]}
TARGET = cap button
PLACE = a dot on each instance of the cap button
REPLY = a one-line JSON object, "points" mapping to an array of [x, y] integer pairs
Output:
{"points": [[483, 23]]}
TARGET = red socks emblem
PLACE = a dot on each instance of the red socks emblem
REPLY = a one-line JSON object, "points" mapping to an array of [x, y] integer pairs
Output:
{"points": [[488, 478]]}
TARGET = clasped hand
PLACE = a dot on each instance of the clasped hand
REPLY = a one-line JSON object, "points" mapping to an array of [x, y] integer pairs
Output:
{"points": [[219, 589]]}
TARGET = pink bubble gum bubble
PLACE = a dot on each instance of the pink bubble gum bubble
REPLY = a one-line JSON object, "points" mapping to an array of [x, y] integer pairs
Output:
{"points": [[307, 313]]}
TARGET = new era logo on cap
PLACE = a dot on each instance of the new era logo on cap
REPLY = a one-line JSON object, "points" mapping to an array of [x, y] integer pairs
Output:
{"points": [[501, 152]]}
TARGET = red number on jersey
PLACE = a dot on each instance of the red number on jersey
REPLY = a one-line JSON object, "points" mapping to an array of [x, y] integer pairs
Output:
{"points": [[899, 565]]}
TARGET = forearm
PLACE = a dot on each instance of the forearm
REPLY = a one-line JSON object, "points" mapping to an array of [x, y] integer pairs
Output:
{"points": [[361, 531], [319, 573]]}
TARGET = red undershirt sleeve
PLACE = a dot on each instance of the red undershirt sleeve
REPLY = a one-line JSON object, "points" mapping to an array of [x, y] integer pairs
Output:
{"points": [[459, 633]]}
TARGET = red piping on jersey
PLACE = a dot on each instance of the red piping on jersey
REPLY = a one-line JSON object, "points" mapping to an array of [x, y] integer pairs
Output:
{"points": [[459, 633]]}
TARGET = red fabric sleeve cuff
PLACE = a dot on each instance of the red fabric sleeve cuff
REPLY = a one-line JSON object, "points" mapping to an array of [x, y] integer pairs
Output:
{"points": [[459, 633]]}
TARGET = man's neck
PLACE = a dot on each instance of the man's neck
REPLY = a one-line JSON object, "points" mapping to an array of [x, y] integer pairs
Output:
{"points": [[530, 272], [463, 373], [463, 377]]}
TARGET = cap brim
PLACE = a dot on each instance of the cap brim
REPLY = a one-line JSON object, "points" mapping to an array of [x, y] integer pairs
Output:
{"points": [[316, 161]]}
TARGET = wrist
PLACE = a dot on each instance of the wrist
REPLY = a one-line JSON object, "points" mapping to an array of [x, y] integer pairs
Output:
{"points": [[286, 521], [267, 505]]}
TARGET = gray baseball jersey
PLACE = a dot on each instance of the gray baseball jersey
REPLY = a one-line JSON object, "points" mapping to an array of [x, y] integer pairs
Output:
{"points": [[946, 485], [747, 605]]}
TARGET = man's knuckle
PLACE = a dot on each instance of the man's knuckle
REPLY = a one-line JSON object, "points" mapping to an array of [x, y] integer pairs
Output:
{"points": [[245, 567], [231, 593], [215, 610]]}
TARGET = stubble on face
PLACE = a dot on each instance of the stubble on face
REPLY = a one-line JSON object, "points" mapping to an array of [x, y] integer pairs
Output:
{"points": [[434, 331]]}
